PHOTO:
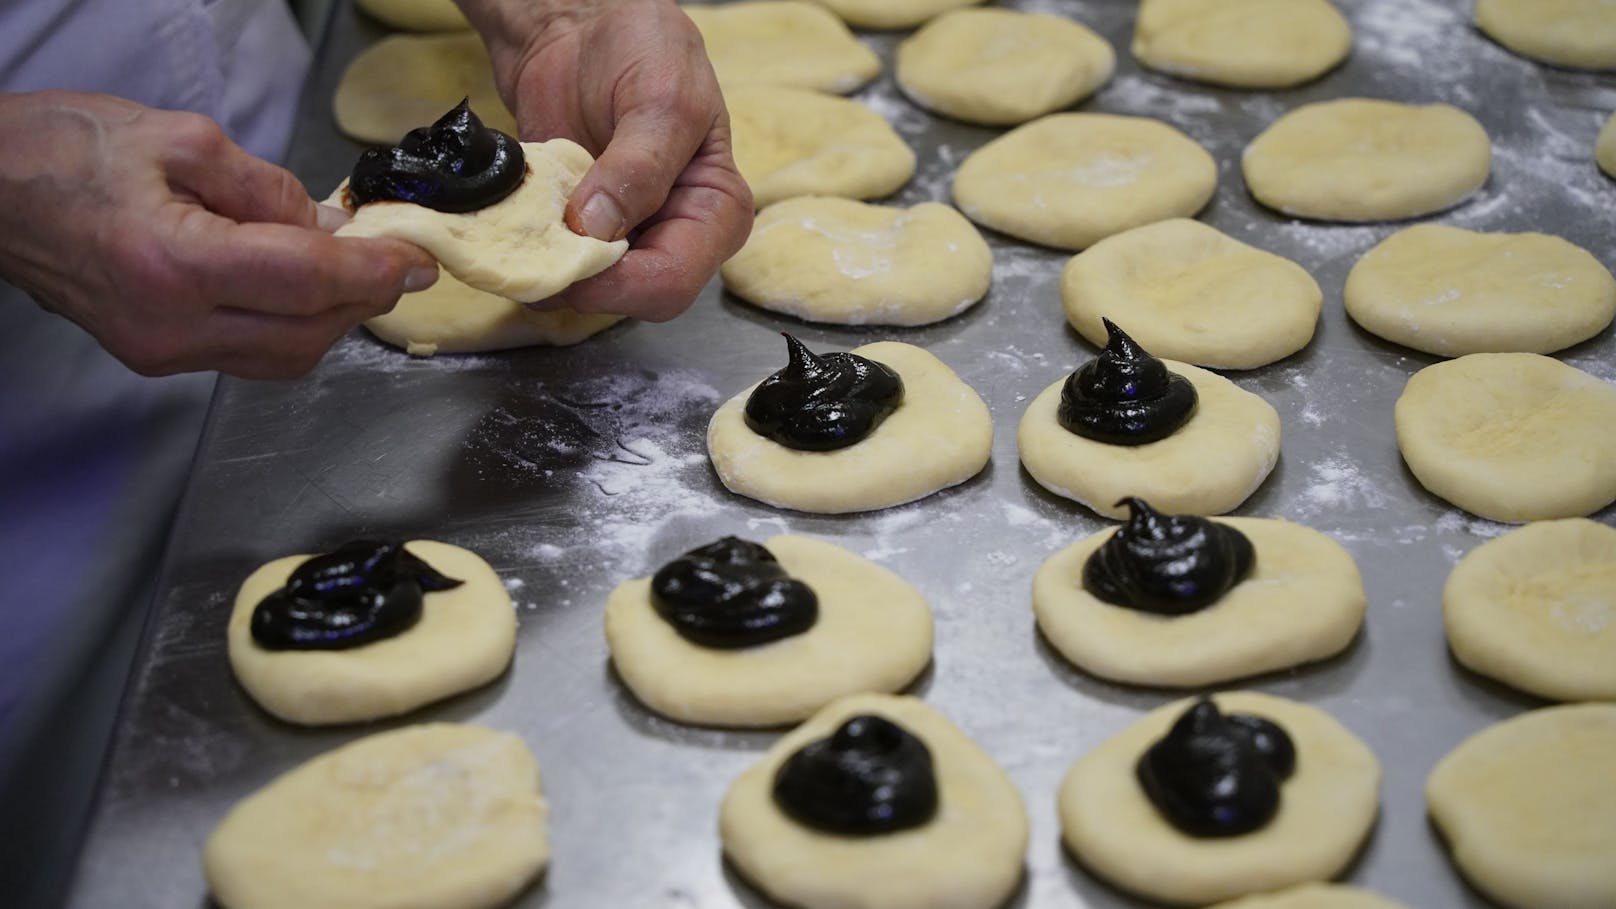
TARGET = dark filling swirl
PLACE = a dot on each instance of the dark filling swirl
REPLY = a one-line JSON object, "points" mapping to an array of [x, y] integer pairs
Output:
{"points": [[822, 403], [363, 591], [1216, 774], [732, 593], [454, 165], [871, 776], [1167, 564], [1125, 396]]}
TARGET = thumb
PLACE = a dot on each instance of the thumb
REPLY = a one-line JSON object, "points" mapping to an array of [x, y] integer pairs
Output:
{"points": [[631, 179]]}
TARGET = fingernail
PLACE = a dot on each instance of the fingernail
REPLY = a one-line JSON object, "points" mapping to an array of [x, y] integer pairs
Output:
{"points": [[602, 219], [328, 217], [420, 278]]}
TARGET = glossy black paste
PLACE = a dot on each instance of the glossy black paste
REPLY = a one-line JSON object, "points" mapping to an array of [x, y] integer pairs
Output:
{"points": [[871, 776], [454, 165], [732, 593], [363, 591], [1167, 564], [1125, 396], [822, 403], [1215, 774]]}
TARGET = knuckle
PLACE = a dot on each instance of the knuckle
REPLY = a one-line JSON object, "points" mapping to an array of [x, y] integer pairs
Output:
{"points": [[196, 135]]}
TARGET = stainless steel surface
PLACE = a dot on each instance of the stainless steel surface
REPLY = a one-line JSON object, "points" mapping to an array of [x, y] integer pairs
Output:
{"points": [[571, 470]]}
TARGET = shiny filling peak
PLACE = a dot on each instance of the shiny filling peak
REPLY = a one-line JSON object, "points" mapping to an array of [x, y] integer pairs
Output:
{"points": [[823, 402], [455, 165], [1125, 396]]}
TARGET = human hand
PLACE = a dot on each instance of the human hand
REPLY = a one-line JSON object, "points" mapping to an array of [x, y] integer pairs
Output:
{"points": [[174, 247]]}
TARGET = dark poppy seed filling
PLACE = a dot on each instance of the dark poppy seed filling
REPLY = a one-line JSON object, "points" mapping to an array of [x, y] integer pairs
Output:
{"points": [[732, 593], [363, 591], [870, 777], [822, 403], [1167, 564], [1125, 396], [1216, 774], [454, 165]]}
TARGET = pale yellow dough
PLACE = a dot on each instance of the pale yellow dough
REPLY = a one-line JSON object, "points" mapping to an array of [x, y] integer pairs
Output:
{"points": [[417, 15], [1326, 809], [1209, 466], [1450, 291], [450, 317], [873, 634], [1511, 437], [1536, 609], [940, 436], [783, 42], [405, 81], [1528, 809], [1314, 896], [795, 142], [439, 816], [968, 856], [1242, 43], [463, 639], [826, 259], [1605, 148], [1071, 180], [1185, 290], [1303, 601], [1358, 159], [1575, 33], [890, 14], [1000, 67]]}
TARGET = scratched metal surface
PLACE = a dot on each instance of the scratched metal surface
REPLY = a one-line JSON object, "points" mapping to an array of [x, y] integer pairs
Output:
{"points": [[571, 470]]}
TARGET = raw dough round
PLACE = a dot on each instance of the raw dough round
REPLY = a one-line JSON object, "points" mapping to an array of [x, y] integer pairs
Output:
{"points": [[1326, 809], [1576, 33], [794, 142], [440, 815], [450, 317], [1450, 291], [519, 247], [1511, 437], [1605, 148], [1526, 806], [1303, 601], [940, 436], [1209, 466], [1358, 159], [1242, 43], [1000, 67], [463, 639], [416, 15], [1071, 180], [1314, 896], [1185, 290], [783, 42], [826, 259], [873, 634], [1536, 609], [968, 856], [405, 81], [891, 14]]}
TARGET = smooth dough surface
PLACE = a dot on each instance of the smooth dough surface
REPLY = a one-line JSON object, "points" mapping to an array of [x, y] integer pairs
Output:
{"points": [[1071, 180], [1303, 601], [1528, 809], [1575, 33], [968, 856], [405, 81], [1450, 291], [1209, 466], [437, 816], [1536, 609], [1314, 896], [795, 142], [1359, 159], [1511, 437], [940, 436], [873, 634], [1326, 809], [1000, 66], [1185, 290], [463, 639], [450, 317], [890, 14], [520, 247], [1242, 43], [416, 15], [826, 259], [783, 42], [1605, 147]]}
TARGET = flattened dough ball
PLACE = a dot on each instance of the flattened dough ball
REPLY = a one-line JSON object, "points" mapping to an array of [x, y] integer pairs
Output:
{"points": [[1451, 291], [1511, 437], [1000, 67], [826, 259], [450, 317], [794, 142], [1187, 291], [968, 856], [1071, 180], [891, 14], [437, 816], [405, 81], [1326, 808], [1209, 466], [940, 436], [464, 639], [1314, 896], [783, 42], [1527, 810], [1605, 148], [417, 15], [1536, 609], [1242, 43], [873, 634], [1575, 33], [1302, 602], [1358, 159]]}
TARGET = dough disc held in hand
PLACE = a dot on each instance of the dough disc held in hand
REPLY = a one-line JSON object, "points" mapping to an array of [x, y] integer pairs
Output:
{"points": [[890, 14], [450, 317], [783, 42], [405, 81], [1575, 33], [1242, 43], [794, 142]]}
